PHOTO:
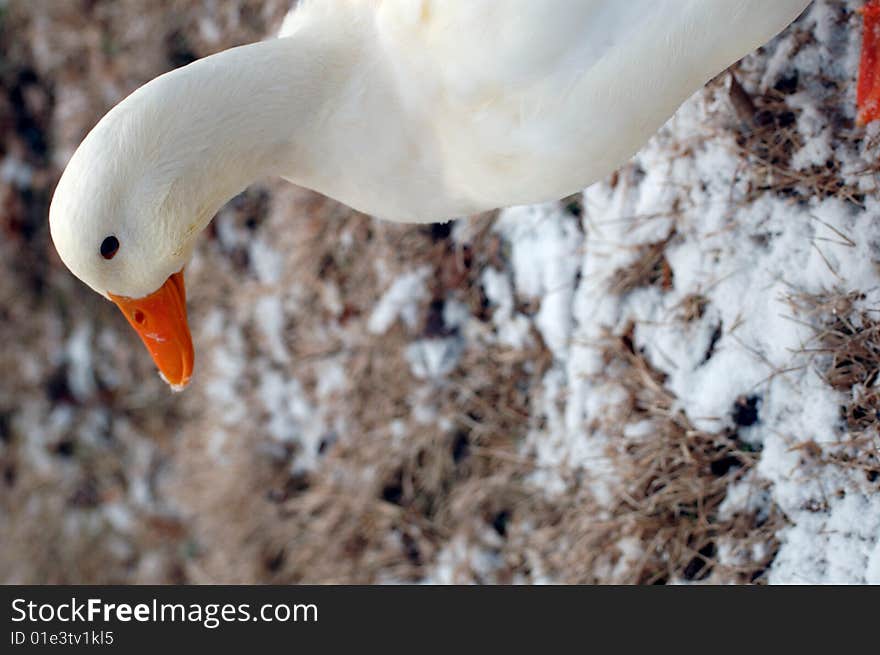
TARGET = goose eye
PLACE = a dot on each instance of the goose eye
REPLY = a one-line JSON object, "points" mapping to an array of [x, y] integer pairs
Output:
{"points": [[109, 246]]}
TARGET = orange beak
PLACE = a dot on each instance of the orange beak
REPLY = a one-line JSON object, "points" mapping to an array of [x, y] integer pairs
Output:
{"points": [[160, 320]]}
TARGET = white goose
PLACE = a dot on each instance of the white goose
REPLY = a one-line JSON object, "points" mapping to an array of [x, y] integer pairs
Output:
{"points": [[410, 110]]}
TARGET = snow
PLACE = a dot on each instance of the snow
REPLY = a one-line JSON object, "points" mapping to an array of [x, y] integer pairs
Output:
{"points": [[401, 300], [292, 417], [872, 575], [79, 355], [270, 319], [433, 358], [512, 329], [267, 261], [461, 560], [227, 362], [744, 258], [544, 260], [16, 172]]}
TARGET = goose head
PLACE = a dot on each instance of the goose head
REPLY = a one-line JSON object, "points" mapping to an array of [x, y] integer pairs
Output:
{"points": [[149, 177], [121, 221]]}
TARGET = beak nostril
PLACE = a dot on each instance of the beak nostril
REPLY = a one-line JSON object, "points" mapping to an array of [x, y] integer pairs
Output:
{"points": [[139, 317]]}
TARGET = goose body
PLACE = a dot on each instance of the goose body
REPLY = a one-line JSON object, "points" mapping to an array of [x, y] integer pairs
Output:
{"points": [[454, 108], [410, 110]]}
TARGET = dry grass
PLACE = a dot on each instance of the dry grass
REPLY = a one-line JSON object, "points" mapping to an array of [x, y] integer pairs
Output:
{"points": [[665, 524], [677, 478], [691, 308], [845, 348], [377, 506], [649, 268], [767, 137]]}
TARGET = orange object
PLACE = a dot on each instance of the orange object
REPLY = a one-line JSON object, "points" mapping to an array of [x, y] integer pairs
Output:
{"points": [[868, 91], [160, 320]]}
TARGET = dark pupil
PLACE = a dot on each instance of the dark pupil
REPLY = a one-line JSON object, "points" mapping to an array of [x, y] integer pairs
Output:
{"points": [[109, 246]]}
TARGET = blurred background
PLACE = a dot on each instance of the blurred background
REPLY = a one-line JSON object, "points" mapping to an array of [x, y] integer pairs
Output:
{"points": [[485, 401]]}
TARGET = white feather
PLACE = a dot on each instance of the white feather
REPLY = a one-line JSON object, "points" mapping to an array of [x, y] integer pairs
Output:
{"points": [[411, 110]]}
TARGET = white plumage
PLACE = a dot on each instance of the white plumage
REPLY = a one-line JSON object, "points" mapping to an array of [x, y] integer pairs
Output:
{"points": [[410, 110]]}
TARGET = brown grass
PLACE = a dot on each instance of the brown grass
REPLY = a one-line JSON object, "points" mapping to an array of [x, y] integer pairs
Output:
{"points": [[672, 482], [649, 268], [845, 348], [691, 308], [376, 507], [767, 137]]}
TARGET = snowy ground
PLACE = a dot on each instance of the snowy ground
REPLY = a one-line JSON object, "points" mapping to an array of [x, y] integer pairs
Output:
{"points": [[668, 378], [745, 253]]}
